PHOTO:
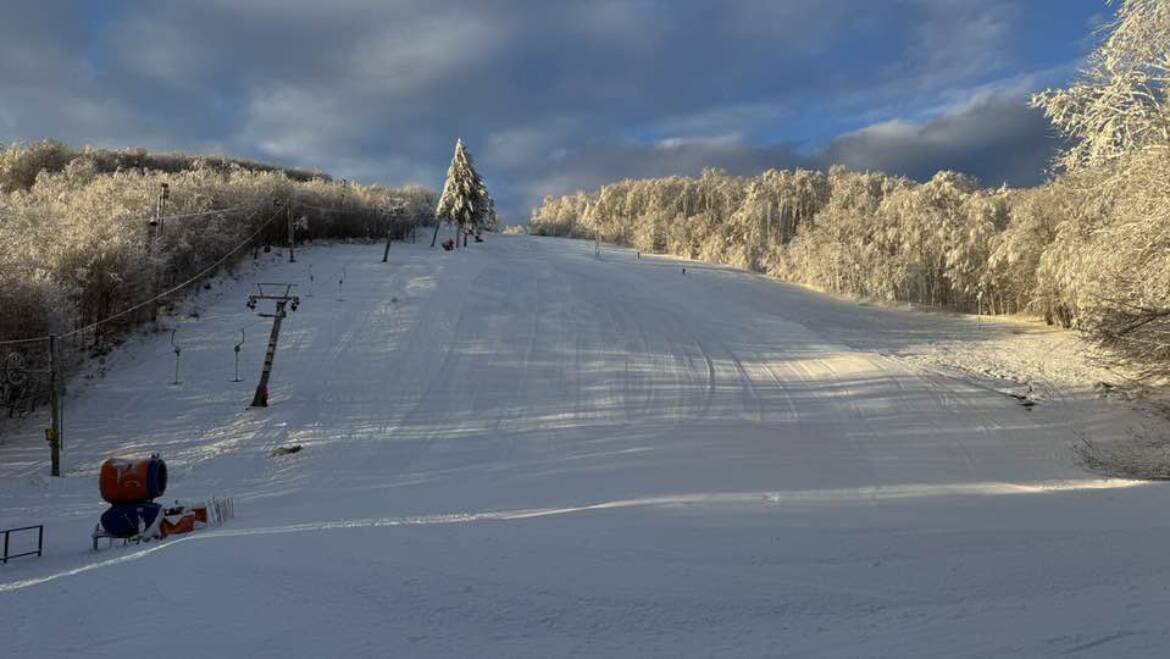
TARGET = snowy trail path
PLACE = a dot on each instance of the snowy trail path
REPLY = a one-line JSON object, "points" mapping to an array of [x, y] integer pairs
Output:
{"points": [[702, 464]]}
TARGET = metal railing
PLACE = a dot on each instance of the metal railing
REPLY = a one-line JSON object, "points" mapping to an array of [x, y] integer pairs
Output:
{"points": [[39, 528]]}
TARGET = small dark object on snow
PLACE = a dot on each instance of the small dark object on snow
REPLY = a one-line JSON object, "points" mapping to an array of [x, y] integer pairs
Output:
{"points": [[448, 244], [1025, 399], [286, 450], [478, 239], [684, 271]]}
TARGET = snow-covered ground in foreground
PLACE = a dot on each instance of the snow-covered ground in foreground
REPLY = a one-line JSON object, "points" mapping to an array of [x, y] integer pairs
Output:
{"points": [[520, 450]]}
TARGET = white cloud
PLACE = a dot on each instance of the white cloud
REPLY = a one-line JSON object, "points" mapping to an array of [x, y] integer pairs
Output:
{"points": [[728, 141], [428, 50], [290, 121], [735, 118]]}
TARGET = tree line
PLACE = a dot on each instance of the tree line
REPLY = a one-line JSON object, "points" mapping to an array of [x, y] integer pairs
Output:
{"points": [[77, 245]]}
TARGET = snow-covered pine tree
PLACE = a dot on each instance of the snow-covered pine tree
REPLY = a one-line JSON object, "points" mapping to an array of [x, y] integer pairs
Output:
{"points": [[490, 221], [465, 201]]}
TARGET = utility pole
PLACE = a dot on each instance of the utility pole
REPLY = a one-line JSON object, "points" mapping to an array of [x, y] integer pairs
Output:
{"points": [[154, 234], [151, 232], [292, 257], [236, 348], [164, 192], [386, 252], [178, 353], [151, 240], [281, 298], [55, 406]]}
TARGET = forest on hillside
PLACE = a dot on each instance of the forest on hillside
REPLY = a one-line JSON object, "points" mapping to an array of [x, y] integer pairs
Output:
{"points": [[1089, 249], [82, 250]]}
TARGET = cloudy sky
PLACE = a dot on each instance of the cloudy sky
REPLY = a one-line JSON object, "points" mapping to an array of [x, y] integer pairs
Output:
{"points": [[550, 95]]}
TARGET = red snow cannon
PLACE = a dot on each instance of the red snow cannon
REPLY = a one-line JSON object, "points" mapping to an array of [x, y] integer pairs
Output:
{"points": [[184, 518], [126, 480]]}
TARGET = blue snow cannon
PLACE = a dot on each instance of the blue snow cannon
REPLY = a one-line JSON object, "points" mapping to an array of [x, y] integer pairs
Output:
{"points": [[129, 520]]}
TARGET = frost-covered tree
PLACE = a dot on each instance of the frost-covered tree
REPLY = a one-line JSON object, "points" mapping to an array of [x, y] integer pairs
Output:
{"points": [[1109, 264], [1119, 104], [76, 250], [465, 201], [491, 222]]}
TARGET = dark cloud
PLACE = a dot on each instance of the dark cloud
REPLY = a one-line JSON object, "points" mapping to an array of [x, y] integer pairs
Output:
{"points": [[995, 137], [551, 96]]}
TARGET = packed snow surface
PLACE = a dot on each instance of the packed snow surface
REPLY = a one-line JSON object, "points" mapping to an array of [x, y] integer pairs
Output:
{"points": [[521, 450]]}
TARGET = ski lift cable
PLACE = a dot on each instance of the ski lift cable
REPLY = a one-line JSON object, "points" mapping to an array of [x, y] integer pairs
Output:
{"points": [[177, 216], [158, 297], [178, 287], [12, 342]]}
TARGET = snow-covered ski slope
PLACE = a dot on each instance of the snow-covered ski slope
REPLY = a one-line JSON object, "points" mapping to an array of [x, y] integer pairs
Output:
{"points": [[521, 450]]}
